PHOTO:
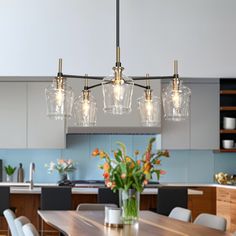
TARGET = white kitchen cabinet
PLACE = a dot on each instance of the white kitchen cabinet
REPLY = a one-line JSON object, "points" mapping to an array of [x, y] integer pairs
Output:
{"points": [[42, 132], [201, 130], [107, 123], [13, 112]]}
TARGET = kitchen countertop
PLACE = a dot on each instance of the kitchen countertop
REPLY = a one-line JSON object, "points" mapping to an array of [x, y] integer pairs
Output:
{"points": [[23, 188]]}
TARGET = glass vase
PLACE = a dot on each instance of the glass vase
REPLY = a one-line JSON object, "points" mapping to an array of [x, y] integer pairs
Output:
{"points": [[129, 203]]}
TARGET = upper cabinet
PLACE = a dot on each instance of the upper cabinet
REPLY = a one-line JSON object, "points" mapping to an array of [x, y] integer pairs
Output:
{"points": [[201, 130], [42, 131], [13, 115], [23, 120], [107, 123]]}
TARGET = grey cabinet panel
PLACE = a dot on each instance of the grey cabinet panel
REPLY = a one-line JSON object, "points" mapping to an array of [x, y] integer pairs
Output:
{"points": [[175, 135], [201, 130], [42, 131], [12, 115], [205, 116]]}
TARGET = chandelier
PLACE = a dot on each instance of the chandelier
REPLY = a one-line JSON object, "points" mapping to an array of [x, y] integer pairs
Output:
{"points": [[117, 91]]}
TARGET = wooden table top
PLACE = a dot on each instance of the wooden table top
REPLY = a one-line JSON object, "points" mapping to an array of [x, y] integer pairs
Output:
{"points": [[87, 223]]}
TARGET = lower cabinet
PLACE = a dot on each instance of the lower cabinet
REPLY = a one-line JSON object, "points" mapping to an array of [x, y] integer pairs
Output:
{"points": [[226, 206]]}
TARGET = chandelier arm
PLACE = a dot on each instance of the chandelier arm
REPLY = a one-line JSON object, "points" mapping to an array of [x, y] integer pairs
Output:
{"points": [[83, 77], [153, 77], [96, 85], [142, 86]]}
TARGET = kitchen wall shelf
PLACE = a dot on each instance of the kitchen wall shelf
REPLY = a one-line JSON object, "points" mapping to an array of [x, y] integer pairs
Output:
{"points": [[225, 92], [227, 109], [228, 131]]}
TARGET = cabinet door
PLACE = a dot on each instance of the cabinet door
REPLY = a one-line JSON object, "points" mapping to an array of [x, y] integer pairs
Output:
{"points": [[130, 122], [12, 115], [42, 131], [205, 115], [175, 135]]}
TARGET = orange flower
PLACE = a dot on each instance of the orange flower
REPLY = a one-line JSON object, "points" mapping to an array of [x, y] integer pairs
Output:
{"points": [[109, 184], [136, 153], [128, 159], [95, 152], [106, 175], [162, 172], [158, 162], [102, 154], [145, 182], [113, 185], [147, 167], [139, 162], [106, 166]]}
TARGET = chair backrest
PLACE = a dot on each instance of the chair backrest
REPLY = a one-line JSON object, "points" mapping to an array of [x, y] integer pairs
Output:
{"points": [[106, 195], [10, 217], [5, 198], [180, 213], [93, 206], [56, 198], [30, 230], [19, 222], [171, 197], [212, 221]]}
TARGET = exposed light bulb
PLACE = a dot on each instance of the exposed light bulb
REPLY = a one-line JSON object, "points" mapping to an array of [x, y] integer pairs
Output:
{"points": [[176, 99], [60, 97], [118, 92], [149, 108], [86, 108]]}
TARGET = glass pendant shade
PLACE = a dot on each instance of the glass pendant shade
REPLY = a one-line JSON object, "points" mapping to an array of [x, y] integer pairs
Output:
{"points": [[176, 102], [85, 110], [150, 111], [117, 97], [59, 100]]}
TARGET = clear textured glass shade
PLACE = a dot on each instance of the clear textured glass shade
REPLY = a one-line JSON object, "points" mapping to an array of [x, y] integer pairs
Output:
{"points": [[85, 110], [176, 102], [117, 97], [150, 111], [59, 100]]}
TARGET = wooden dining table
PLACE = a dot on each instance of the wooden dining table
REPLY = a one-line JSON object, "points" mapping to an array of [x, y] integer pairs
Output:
{"points": [[89, 223]]}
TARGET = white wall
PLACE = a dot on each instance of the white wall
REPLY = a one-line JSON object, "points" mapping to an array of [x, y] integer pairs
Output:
{"points": [[200, 33]]}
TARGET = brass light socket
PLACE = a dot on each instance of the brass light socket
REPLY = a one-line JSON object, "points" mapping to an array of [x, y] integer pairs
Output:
{"points": [[60, 82], [148, 94], [86, 94], [118, 74]]}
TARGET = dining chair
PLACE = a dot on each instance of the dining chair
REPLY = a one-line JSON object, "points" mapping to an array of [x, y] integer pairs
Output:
{"points": [[10, 217], [106, 195], [29, 230], [55, 198], [171, 197], [212, 221], [19, 223], [180, 213], [93, 206]]}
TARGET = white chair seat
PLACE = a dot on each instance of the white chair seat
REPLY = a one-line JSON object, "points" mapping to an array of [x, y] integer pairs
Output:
{"points": [[30, 230], [93, 206], [10, 217], [180, 213], [212, 221], [19, 223]]}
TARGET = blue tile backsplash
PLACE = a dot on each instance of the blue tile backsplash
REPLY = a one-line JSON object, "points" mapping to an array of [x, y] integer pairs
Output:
{"points": [[183, 166]]}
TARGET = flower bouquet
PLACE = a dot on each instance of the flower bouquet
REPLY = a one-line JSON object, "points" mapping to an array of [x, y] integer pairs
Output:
{"points": [[62, 166], [130, 175]]}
